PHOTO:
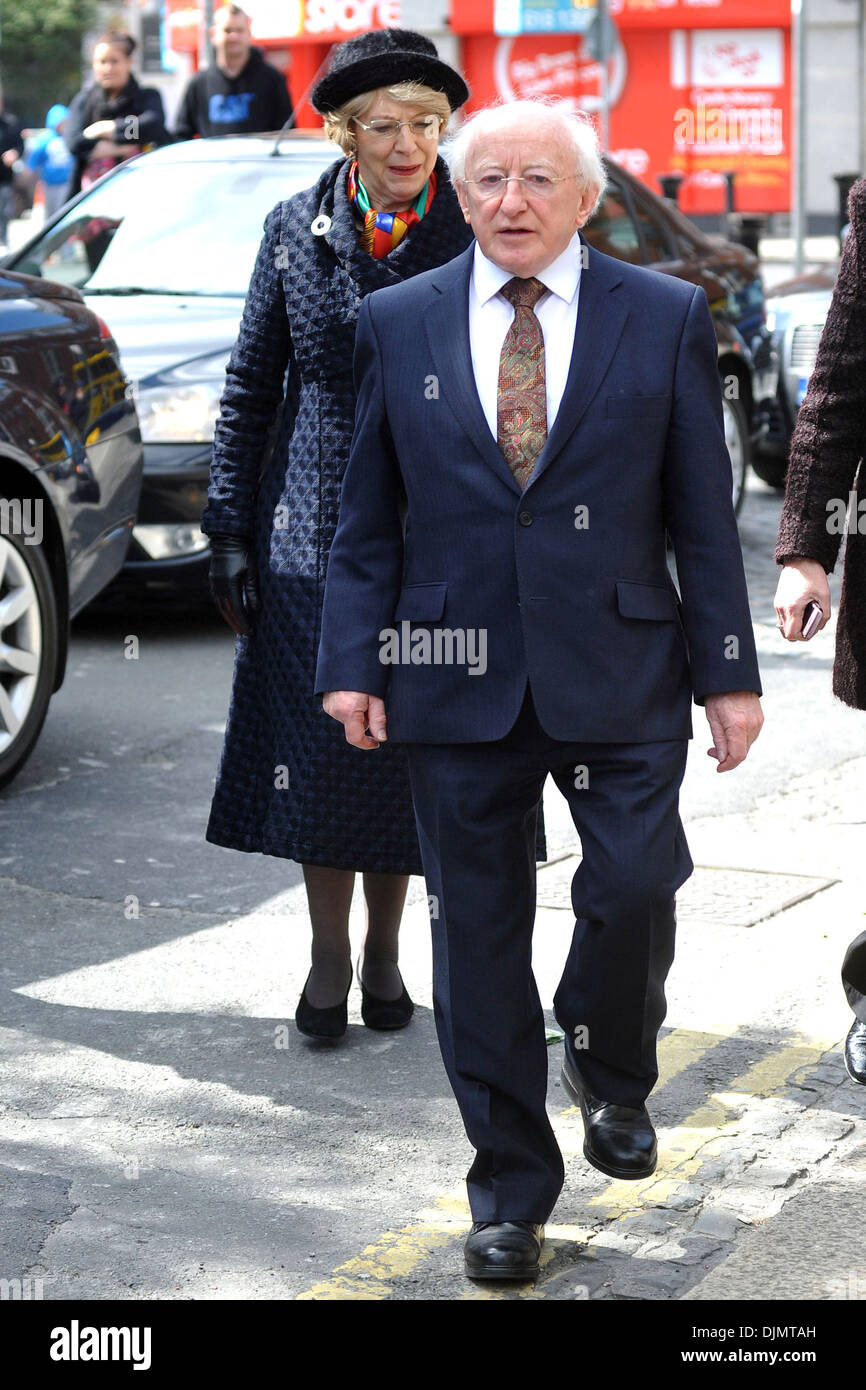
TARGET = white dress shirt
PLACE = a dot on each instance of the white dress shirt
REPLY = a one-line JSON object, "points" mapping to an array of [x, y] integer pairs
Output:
{"points": [[490, 316]]}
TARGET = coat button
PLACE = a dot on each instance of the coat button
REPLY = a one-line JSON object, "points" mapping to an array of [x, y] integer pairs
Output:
{"points": [[525, 518], [320, 224]]}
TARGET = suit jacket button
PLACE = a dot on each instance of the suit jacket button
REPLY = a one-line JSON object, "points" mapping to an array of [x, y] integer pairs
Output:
{"points": [[525, 518]]}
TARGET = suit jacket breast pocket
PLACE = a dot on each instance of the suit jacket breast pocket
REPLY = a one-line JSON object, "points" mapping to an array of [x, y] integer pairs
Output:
{"points": [[638, 407]]}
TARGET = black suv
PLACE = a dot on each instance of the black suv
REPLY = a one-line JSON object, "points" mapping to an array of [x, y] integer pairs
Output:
{"points": [[70, 476]]}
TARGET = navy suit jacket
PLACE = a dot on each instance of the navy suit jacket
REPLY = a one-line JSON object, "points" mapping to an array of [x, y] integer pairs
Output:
{"points": [[565, 584]]}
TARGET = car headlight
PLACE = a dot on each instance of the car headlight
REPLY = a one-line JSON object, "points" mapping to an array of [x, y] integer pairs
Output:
{"points": [[170, 542], [182, 414]]}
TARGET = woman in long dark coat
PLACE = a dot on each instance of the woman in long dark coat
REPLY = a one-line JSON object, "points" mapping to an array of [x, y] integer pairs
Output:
{"points": [[288, 783], [826, 481]]}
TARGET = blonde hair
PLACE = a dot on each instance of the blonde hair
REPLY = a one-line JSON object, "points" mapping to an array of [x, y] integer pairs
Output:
{"points": [[406, 93]]}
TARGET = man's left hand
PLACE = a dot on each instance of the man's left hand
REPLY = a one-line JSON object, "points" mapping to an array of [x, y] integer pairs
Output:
{"points": [[735, 721]]}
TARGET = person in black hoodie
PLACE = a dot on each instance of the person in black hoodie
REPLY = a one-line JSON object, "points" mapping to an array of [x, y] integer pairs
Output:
{"points": [[114, 118], [240, 93]]}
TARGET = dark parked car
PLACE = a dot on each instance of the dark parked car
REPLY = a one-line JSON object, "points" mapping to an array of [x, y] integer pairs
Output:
{"points": [[164, 245], [70, 476]]}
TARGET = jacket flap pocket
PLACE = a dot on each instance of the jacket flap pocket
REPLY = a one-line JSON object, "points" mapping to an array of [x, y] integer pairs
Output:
{"points": [[421, 603], [645, 601], [637, 405]]}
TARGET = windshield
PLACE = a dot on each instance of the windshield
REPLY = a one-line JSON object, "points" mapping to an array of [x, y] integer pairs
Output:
{"points": [[176, 229]]}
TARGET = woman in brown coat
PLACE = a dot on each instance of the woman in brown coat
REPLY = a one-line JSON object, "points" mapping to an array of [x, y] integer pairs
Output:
{"points": [[826, 481]]}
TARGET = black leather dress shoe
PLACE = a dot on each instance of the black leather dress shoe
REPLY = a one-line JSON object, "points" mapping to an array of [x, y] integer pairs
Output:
{"points": [[503, 1250], [855, 1052], [618, 1140]]}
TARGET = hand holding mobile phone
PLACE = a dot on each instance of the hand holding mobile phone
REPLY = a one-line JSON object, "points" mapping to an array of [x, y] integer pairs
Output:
{"points": [[812, 615]]}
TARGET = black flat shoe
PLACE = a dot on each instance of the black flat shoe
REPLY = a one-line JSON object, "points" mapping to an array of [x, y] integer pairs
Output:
{"points": [[384, 1014], [855, 1052], [503, 1250], [618, 1140], [321, 1023]]}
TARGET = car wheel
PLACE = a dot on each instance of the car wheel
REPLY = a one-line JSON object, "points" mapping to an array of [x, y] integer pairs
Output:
{"points": [[737, 440], [770, 470], [28, 650]]}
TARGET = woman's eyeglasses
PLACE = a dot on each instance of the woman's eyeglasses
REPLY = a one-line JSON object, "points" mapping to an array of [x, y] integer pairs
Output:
{"points": [[495, 185], [424, 128]]}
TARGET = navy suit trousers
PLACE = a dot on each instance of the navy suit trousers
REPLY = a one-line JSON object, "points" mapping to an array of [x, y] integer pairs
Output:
{"points": [[476, 806]]}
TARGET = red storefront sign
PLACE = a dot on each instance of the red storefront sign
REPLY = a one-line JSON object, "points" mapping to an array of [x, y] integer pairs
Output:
{"points": [[276, 21], [477, 16], [698, 87]]}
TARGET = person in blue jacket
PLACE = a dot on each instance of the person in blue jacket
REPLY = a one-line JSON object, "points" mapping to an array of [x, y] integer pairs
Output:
{"points": [[51, 161]]}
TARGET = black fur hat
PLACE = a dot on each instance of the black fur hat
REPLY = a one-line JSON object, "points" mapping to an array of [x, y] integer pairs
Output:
{"points": [[381, 58]]}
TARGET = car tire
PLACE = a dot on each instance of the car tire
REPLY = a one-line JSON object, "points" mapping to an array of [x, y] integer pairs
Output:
{"points": [[28, 650], [772, 471], [737, 440]]}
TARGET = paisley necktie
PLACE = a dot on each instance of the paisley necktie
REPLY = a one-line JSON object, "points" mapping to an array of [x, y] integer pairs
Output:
{"points": [[521, 411]]}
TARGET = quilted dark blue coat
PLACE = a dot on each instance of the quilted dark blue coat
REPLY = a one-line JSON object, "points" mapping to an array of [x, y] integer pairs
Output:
{"points": [[288, 783]]}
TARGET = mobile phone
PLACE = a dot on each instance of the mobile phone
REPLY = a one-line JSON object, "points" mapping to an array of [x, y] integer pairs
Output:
{"points": [[812, 615]]}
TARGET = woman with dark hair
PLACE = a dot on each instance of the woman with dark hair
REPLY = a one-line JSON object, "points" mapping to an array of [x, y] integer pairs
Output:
{"points": [[114, 118]]}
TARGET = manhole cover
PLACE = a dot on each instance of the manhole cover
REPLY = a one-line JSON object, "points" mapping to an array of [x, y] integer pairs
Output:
{"points": [[723, 897]]}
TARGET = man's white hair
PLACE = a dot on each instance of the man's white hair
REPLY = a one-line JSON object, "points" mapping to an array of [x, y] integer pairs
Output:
{"points": [[577, 127]]}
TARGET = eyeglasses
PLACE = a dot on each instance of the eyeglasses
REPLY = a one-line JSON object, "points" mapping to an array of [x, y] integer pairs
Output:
{"points": [[424, 128], [539, 185]]}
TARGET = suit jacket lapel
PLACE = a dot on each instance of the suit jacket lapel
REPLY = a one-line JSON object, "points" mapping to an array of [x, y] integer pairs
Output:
{"points": [[601, 315], [446, 321]]}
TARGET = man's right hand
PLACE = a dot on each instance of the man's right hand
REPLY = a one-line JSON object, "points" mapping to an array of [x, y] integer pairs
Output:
{"points": [[358, 712], [800, 582]]}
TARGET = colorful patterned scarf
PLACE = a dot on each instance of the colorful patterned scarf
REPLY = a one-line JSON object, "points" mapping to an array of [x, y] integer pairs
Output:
{"points": [[382, 231]]}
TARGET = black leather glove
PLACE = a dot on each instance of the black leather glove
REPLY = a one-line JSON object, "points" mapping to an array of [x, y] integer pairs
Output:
{"points": [[232, 582]]}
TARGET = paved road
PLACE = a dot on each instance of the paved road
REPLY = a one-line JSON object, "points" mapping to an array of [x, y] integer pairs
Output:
{"points": [[166, 1133]]}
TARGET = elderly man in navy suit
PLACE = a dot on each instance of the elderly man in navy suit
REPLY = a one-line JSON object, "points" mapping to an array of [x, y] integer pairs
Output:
{"points": [[533, 420]]}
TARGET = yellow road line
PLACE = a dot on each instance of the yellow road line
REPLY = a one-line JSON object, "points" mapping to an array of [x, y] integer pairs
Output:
{"points": [[701, 1133], [394, 1255], [370, 1276]]}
